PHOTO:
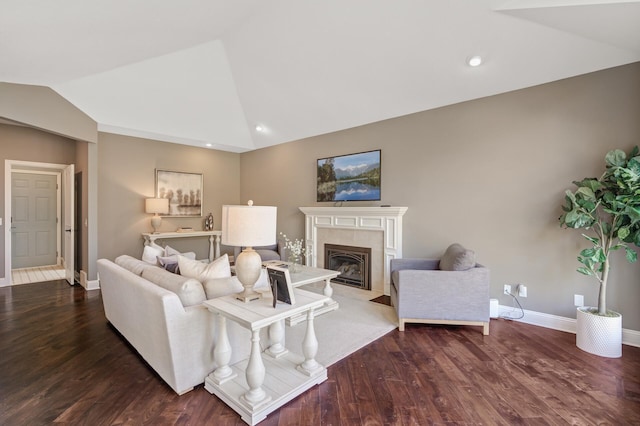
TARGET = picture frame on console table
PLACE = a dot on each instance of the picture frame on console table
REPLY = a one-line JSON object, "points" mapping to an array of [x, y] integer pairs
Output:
{"points": [[184, 191], [280, 282]]}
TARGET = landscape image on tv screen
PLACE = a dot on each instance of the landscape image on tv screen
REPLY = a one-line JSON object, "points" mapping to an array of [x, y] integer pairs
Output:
{"points": [[353, 177]]}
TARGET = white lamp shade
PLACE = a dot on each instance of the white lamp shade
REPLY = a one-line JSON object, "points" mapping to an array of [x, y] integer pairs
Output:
{"points": [[156, 205], [249, 226]]}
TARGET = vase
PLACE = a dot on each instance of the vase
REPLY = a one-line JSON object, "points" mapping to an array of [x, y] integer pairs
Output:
{"points": [[597, 334], [295, 263]]}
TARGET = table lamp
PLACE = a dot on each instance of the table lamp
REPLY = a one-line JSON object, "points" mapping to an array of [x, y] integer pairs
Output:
{"points": [[248, 226], [156, 206]]}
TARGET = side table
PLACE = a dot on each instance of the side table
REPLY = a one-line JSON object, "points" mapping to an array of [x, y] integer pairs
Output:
{"points": [[262, 383]]}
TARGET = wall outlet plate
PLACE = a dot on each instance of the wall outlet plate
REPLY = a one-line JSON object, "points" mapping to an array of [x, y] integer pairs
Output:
{"points": [[507, 289], [522, 290], [578, 300]]}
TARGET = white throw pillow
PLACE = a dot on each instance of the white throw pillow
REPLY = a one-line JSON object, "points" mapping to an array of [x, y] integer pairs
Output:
{"points": [[151, 253], [170, 251], [201, 271], [218, 287]]}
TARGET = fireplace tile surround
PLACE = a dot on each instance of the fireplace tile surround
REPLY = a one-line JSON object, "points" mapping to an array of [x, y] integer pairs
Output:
{"points": [[378, 228]]}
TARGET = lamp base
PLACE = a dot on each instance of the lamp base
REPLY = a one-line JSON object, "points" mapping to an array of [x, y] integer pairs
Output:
{"points": [[247, 297], [156, 221], [248, 270]]}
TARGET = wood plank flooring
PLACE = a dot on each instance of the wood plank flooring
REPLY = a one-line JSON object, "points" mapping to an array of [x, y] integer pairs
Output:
{"points": [[37, 274], [62, 363]]}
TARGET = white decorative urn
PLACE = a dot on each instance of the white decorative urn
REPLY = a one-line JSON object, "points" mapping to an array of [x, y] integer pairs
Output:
{"points": [[598, 334]]}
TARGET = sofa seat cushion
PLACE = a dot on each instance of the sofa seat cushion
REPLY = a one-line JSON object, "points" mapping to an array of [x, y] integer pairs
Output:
{"points": [[457, 258], [189, 290]]}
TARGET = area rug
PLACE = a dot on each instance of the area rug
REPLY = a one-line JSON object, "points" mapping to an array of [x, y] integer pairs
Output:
{"points": [[355, 324]]}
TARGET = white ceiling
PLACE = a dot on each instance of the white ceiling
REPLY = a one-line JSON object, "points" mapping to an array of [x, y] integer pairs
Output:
{"points": [[209, 71]]}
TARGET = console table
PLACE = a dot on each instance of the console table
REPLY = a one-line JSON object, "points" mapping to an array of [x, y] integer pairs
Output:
{"points": [[214, 239], [248, 387]]}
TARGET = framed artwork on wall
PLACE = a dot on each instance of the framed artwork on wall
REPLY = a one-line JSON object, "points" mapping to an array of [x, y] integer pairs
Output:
{"points": [[352, 177], [184, 191]]}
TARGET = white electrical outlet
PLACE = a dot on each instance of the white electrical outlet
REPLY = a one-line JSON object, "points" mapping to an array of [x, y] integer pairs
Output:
{"points": [[522, 290], [578, 300], [507, 289]]}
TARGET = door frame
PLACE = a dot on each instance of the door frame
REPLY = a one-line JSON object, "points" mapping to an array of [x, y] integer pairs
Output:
{"points": [[9, 167]]}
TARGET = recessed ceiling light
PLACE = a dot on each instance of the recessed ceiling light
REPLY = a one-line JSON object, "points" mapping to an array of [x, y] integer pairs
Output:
{"points": [[474, 61], [259, 128], [208, 145]]}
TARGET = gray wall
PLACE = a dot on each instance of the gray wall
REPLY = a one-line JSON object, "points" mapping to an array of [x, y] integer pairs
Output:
{"points": [[126, 176], [42, 108], [26, 144], [489, 174]]}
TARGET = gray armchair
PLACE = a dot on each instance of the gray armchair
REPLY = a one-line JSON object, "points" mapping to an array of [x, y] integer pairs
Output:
{"points": [[450, 290]]}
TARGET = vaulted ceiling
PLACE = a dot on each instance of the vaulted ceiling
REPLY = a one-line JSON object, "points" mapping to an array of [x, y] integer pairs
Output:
{"points": [[204, 72]]}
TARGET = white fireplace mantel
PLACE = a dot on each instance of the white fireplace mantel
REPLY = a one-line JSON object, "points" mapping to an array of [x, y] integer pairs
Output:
{"points": [[387, 220]]}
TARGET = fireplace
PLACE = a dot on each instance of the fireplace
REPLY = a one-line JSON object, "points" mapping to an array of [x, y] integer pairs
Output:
{"points": [[353, 263], [377, 227]]}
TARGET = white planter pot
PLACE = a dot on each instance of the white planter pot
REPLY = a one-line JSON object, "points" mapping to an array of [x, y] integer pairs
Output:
{"points": [[599, 335]]}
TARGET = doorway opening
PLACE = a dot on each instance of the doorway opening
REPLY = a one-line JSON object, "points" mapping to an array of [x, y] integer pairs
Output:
{"points": [[39, 212]]}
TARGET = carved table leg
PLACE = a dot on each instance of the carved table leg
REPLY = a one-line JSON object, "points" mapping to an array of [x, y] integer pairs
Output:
{"points": [[211, 252], [255, 373], [276, 339], [222, 355], [310, 366], [216, 253]]}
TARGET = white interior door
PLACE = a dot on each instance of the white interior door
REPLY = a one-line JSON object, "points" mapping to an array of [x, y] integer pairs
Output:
{"points": [[68, 220], [34, 226]]}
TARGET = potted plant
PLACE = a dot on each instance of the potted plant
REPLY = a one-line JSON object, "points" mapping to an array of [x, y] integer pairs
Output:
{"points": [[608, 210]]}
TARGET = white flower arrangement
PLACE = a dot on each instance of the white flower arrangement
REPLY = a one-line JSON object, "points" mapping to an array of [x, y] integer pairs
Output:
{"points": [[296, 247]]}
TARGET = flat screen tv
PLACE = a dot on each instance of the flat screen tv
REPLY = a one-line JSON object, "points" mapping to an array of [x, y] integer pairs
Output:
{"points": [[352, 177]]}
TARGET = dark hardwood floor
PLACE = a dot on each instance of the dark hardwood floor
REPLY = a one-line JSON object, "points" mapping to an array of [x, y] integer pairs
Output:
{"points": [[61, 362]]}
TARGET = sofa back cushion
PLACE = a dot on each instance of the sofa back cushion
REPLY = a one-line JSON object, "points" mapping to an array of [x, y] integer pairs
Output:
{"points": [[132, 264], [457, 258], [189, 290]]}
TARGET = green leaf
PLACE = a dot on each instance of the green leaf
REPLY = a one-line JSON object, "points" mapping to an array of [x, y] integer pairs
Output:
{"points": [[584, 271], [623, 232], [634, 165], [615, 158], [594, 240], [586, 192], [588, 252], [632, 256]]}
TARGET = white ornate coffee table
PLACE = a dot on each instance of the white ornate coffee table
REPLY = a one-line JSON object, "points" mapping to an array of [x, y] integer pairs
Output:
{"points": [[248, 387]]}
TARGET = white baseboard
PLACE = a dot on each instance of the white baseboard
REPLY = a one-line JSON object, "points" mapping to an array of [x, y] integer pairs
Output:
{"points": [[88, 284], [555, 322], [92, 285]]}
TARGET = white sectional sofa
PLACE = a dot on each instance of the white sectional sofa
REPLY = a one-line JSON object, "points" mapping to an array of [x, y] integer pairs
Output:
{"points": [[162, 316]]}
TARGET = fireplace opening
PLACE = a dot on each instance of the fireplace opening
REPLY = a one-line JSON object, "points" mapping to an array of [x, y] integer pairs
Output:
{"points": [[353, 263]]}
